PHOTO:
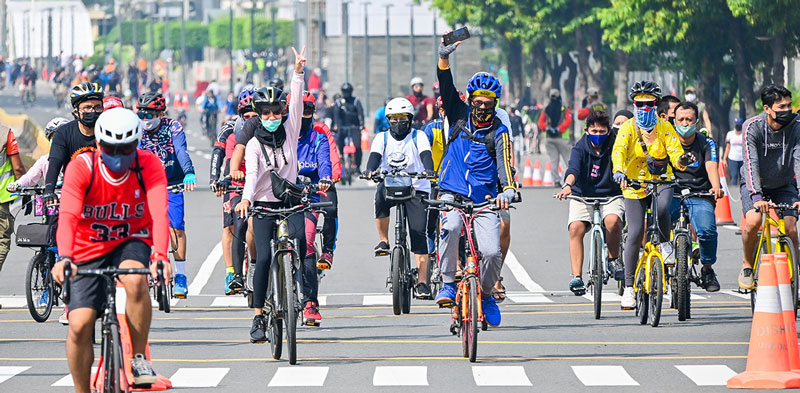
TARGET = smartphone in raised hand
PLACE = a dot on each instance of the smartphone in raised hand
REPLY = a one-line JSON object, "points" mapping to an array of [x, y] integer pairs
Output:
{"points": [[456, 35]]}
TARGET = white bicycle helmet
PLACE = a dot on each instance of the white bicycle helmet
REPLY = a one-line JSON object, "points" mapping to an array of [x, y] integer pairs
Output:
{"points": [[52, 125], [118, 126], [398, 106], [416, 81]]}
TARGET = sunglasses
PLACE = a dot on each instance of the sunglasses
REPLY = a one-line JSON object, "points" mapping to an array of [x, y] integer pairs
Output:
{"points": [[118, 150], [483, 104], [144, 115], [271, 109], [308, 109], [87, 109], [642, 104]]}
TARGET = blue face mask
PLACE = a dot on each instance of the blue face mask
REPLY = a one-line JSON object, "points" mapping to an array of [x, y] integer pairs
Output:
{"points": [[686, 131], [118, 163], [271, 125], [646, 117], [598, 140]]}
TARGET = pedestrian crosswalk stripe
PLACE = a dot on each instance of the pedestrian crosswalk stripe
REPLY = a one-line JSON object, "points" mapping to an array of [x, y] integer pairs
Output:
{"points": [[13, 302], [7, 372], [737, 294], [67, 379], [400, 376], [198, 377], [322, 300], [692, 297], [603, 376], [607, 297], [528, 298], [229, 301], [377, 300], [707, 374], [500, 376], [299, 376]]}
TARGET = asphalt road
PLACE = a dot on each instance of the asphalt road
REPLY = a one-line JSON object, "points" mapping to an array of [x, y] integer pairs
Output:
{"points": [[548, 338]]}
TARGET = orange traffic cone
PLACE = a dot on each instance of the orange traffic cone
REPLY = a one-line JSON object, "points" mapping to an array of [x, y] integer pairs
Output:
{"points": [[177, 104], [537, 173], [785, 288], [723, 209], [364, 140], [527, 176], [768, 357], [185, 101], [548, 175]]}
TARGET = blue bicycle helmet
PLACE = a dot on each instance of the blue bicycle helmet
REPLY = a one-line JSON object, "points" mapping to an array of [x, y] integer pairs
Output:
{"points": [[485, 85]]}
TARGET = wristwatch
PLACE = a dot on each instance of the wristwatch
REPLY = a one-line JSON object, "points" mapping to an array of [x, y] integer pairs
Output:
{"points": [[565, 186]]}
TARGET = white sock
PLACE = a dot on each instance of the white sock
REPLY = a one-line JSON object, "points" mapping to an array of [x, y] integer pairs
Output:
{"points": [[180, 267]]}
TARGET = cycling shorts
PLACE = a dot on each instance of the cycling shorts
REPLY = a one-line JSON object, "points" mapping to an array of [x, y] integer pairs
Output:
{"points": [[786, 194], [416, 214], [90, 291], [175, 211], [228, 206]]}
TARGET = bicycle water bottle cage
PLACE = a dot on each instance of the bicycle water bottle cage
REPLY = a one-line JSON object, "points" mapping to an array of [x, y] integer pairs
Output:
{"points": [[398, 188]]}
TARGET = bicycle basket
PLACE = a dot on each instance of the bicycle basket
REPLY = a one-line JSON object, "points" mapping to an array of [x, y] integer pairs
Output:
{"points": [[398, 188], [36, 235], [285, 190]]}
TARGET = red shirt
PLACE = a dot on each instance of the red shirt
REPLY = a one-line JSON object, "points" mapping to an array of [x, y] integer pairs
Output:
{"points": [[336, 164], [115, 209], [421, 106]]}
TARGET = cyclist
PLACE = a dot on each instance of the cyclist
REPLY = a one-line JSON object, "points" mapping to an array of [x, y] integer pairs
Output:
{"points": [[165, 138], [313, 155], [589, 175], [705, 173], [771, 163], [210, 107], [381, 124], [620, 117], [471, 169], [279, 140], [348, 120], [401, 148], [76, 136], [643, 150], [113, 211], [423, 105], [39, 168]]}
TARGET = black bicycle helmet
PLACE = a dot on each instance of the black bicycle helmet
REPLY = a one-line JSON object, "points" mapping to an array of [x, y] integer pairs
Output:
{"points": [[646, 87], [347, 87], [277, 82], [85, 91], [267, 96], [151, 101]]}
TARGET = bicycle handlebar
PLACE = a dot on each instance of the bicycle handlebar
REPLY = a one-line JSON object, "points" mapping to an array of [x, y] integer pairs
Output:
{"points": [[262, 210], [380, 176], [779, 207], [593, 200], [469, 206], [108, 272], [177, 188]]}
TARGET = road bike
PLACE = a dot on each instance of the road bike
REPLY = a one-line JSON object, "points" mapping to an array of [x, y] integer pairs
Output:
{"points": [[684, 272], [598, 266], [113, 366]]}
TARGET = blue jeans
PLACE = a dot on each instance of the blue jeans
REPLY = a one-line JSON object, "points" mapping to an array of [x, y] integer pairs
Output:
{"points": [[701, 216]]}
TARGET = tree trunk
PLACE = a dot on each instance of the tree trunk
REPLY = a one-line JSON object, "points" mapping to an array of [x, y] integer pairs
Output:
{"points": [[592, 78], [572, 77], [539, 72], [741, 64], [515, 70], [556, 69], [708, 93], [621, 90], [778, 51]]}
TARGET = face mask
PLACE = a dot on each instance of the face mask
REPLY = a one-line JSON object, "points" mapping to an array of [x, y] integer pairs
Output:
{"points": [[306, 125], [120, 163], [481, 116], [271, 125], [88, 119], [614, 128], [686, 131], [417, 94], [400, 129], [671, 120], [738, 128], [150, 124], [690, 97], [784, 117], [646, 118], [598, 140]]}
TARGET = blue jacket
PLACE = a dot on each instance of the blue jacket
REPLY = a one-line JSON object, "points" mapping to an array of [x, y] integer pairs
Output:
{"points": [[593, 173], [314, 156], [168, 142]]}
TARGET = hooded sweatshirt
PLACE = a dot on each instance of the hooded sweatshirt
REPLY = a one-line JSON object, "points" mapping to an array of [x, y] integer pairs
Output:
{"points": [[593, 172], [771, 158], [313, 155]]}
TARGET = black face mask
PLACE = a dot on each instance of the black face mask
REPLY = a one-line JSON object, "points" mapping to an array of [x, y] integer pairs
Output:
{"points": [[671, 120], [784, 117], [306, 126], [400, 129], [417, 94], [738, 127], [89, 119], [347, 93]]}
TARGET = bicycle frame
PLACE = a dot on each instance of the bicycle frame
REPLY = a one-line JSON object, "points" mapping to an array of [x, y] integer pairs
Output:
{"points": [[472, 268], [597, 230], [650, 249], [768, 223], [284, 245]]}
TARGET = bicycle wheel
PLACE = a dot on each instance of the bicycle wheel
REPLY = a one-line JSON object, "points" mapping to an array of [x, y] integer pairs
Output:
{"points": [[39, 288], [621, 284], [786, 244], [112, 360], [597, 274], [407, 284], [472, 323], [682, 292], [656, 291], [397, 280], [290, 306], [642, 300]]}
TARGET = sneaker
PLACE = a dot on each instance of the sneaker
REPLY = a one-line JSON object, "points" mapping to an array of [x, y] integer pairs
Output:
{"points": [[746, 278], [325, 261], [666, 252], [382, 249], [490, 311], [63, 319], [44, 299], [628, 299], [228, 279], [237, 284], [311, 315], [258, 332], [180, 289], [619, 270], [708, 279], [422, 290], [447, 294], [576, 286], [143, 373]]}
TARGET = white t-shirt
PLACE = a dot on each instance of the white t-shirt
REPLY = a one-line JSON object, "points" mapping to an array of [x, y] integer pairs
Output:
{"points": [[404, 154], [737, 145]]}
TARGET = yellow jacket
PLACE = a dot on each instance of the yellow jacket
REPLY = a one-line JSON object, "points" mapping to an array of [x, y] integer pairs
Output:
{"points": [[628, 157]]}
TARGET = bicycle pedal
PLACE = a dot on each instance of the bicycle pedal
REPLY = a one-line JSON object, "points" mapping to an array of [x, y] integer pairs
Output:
{"points": [[257, 341], [627, 308], [446, 305], [176, 296], [312, 322], [141, 386]]}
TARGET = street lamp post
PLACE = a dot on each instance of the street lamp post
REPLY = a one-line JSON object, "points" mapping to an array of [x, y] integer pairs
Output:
{"points": [[252, 40], [185, 14], [366, 56], [230, 49], [388, 55], [411, 36], [134, 36], [346, 28], [273, 10]]}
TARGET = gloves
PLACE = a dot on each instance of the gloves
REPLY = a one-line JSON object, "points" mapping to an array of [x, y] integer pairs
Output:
{"points": [[446, 50], [619, 177], [189, 179], [507, 195], [49, 198], [687, 159], [429, 174], [222, 185], [326, 182], [12, 187]]}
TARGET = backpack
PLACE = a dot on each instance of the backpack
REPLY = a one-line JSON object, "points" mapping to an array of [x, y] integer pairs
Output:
{"points": [[137, 169], [487, 139], [386, 138]]}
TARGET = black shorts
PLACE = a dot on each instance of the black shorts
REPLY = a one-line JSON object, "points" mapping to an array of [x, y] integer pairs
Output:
{"points": [[417, 217], [228, 215], [90, 291], [786, 194]]}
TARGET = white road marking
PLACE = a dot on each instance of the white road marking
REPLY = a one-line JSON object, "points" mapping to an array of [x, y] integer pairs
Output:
{"points": [[198, 377], [500, 376], [708, 374], [377, 300], [322, 300], [525, 297], [229, 301], [737, 294], [400, 376], [8, 372], [206, 269], [67, 379], [692, 297], [607, 297], [299, 376], [603, 376], [520, 274], [13, 302]]}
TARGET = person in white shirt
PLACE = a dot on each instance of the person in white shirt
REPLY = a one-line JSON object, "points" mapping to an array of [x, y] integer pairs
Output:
{"points": [[734, 151], [407, 149]]}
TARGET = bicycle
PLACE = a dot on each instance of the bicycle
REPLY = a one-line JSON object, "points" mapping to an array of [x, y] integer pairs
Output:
{"points": [[598, 267], [782, 244], [166, 306], [467, 312], [685, 270], [348, 160], [28, 97], [249, 264], [399, 188], [434, 262], [114, 375], [283, 294]]}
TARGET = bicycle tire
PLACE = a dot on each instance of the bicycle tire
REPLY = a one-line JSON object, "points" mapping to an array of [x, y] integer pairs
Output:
{"points": [[275, 326], [682, 292], [788, 248], [461, 302], [621, 284], [597, 274], [38, 276], [473, 319], [656, 291], [290, 305], [642, 300], [113, 361], [397, 262], [407, 284]]}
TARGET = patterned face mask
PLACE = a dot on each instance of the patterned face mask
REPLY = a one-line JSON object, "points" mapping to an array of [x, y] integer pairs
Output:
{"points": [[646, 117]]}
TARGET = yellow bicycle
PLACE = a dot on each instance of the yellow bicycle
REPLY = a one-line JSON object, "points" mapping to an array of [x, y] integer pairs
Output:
{"points": [[782, 244]]}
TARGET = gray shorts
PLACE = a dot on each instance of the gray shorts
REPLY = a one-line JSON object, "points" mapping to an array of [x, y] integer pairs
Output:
{"points": [[786, 194], [505, 215]]}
